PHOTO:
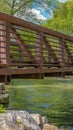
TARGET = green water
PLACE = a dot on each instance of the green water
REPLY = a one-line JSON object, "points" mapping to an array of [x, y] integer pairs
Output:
{"points": [[52, 97]]}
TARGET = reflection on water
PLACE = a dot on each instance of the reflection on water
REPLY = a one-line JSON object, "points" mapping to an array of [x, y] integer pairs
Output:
{"points": [[51, 97]]}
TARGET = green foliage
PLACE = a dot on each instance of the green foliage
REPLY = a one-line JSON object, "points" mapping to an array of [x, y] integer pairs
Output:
{"points": [[2, 109], [22, 8], [13, 6], [62, 19]]}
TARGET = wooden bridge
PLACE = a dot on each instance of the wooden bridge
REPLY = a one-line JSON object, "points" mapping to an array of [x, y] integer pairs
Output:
{"points": [[29, 50]]}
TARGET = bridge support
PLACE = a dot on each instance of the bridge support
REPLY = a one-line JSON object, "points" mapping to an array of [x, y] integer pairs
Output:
{"points": [[5, 78]]}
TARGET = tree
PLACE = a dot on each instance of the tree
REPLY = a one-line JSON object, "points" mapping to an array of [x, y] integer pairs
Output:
{"points": [[23, 8], [62, 19]]}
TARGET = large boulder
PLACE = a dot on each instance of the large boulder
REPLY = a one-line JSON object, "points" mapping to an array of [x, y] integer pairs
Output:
{"points": [[17, 120]]}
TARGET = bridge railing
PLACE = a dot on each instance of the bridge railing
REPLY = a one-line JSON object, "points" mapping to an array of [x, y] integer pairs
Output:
{"points": [[26, 45]]}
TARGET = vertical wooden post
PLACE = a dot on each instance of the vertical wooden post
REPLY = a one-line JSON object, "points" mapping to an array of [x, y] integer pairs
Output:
{"points": [[39, 52], [61, 52], [8, 44], [62, 55], [7, 49], [68, 53], [38, 48], [3, 42]]}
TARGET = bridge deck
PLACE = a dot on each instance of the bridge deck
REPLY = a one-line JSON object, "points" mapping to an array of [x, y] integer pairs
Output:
{"points": [[29, 49]]}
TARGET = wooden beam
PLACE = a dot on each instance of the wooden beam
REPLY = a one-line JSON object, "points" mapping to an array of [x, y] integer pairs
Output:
{"points": [[25, 71], [54, 70], [5, 71], [31, 26]]}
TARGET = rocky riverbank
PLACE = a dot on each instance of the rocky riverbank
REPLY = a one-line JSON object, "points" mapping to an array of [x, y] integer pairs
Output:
{"points": [[4, 97], [22, 120]]}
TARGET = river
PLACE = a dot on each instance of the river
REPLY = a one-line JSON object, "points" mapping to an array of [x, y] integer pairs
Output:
{"points": [[52, 97]]}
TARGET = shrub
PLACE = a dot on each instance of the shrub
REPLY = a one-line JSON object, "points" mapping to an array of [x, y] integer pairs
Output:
{"points": [[2, 109]]}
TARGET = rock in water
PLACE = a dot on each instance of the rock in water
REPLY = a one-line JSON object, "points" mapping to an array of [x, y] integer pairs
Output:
{"points": [[50, 127], [17, 120], [2, 88], [44, 120], [4, 98], [38, 119]]}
